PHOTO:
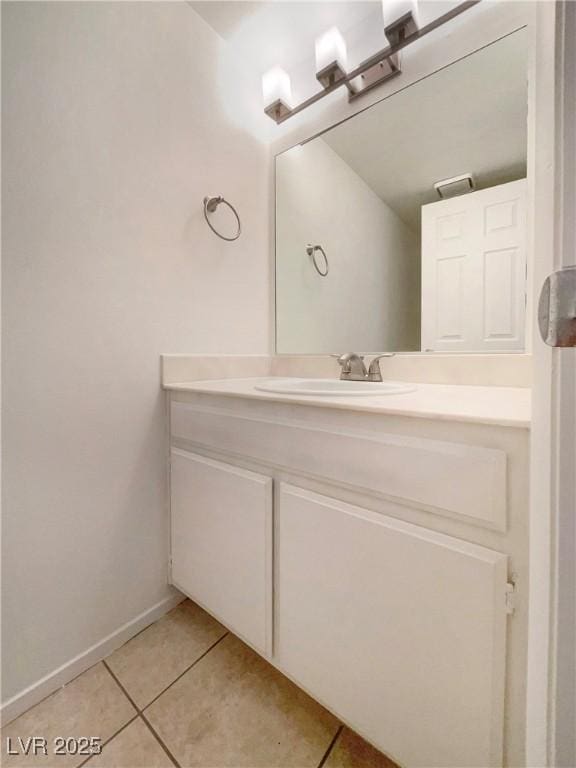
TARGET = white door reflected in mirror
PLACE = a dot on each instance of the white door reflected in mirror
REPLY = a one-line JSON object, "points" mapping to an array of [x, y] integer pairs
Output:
{"points": [[474, 271]]}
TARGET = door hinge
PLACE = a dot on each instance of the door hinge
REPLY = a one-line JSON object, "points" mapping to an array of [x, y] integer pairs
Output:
{"points": [[510, 598]]}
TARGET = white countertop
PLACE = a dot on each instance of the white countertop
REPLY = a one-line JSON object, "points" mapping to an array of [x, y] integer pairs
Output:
{"points": [[502, 406]]}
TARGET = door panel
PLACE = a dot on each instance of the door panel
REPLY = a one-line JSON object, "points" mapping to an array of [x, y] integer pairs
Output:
{"points": [[449, 305], [400, 628], [222, 542], [474, 270], [500, 294]]}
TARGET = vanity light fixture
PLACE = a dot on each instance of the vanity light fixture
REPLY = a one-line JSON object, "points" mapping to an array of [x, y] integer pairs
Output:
{"points": [[331, 57], [400, 27], [277, 93]]}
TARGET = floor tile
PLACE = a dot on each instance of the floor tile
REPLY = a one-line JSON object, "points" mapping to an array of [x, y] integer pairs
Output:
{"points": [[351, 751], [134, 747], [91, 705], [233, 709], [153, 659]]}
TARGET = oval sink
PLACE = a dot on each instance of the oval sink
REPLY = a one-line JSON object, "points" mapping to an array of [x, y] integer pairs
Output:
{"points": [[333, 387]]}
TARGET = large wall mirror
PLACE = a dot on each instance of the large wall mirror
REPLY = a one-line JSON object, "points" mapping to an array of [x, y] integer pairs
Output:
{"points": [[372, 255]]}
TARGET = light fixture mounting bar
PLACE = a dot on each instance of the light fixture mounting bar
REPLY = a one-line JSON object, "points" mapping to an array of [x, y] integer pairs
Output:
{"points": [[376, 60], [377, 75]]}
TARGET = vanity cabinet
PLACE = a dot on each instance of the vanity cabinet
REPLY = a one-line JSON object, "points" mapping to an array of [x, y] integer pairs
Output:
{"points": [[371, 558], [398, 627], [221, 531]]}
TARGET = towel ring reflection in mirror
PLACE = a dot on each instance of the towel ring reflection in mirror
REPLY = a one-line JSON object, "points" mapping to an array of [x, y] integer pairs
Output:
{"points": [[210, 205], [311, 250]]}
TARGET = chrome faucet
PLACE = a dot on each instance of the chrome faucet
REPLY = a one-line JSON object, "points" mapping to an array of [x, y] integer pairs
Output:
{"points": [[353, 368]]}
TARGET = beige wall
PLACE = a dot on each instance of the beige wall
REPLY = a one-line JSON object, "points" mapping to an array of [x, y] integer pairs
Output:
{"points": [[114, 128]]}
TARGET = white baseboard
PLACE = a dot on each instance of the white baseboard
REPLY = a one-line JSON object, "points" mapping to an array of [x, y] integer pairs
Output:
{"points": [[30, 696]]}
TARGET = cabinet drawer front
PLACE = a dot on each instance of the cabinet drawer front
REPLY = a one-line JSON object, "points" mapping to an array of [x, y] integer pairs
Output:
{"points": [[450, 478], [400, 629], [222, 542]]}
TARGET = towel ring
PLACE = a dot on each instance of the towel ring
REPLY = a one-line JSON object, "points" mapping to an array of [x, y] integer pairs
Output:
{"points": [[210, 205], [311, 251]]}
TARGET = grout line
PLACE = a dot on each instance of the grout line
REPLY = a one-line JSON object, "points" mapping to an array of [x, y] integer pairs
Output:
{"points": [[108, 740], [331, 746], [143, 716], [140, 712], [188, 668], [206, 652], [124, 691], [159, 740]]}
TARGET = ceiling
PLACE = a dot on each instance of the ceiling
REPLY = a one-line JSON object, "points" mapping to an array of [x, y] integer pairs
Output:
{"points": [[468, 118], [275, 32], [226, 16]]}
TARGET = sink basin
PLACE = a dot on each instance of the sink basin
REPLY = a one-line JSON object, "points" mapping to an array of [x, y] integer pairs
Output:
{"points": [[334, 387]]}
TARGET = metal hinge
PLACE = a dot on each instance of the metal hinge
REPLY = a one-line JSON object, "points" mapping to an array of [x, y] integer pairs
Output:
{"points": [[510, 598]]}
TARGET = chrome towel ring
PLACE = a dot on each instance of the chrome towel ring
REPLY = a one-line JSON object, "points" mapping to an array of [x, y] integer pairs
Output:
{"points": [[210, 205], [311, 250]]}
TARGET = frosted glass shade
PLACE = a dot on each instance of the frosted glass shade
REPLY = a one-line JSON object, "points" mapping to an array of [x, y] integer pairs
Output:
{"points": [[330, 48], [276, 87]]}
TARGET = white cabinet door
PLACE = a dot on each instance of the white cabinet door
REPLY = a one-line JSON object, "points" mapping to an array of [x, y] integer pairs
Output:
{"points": [[222, 542], [474, 270], [400, 630]]}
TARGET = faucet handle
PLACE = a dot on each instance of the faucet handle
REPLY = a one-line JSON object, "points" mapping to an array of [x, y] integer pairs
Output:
{"points": [[352, 366], [374, 372], [346, 360], [349, 356]]}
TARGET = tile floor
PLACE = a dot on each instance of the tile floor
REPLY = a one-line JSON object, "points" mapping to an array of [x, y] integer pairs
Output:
{"points": [[186, 692]]}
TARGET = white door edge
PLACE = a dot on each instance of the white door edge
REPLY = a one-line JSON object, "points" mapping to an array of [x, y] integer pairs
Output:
{"points": [[551, 709], [541, 216], [563, 635]]}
